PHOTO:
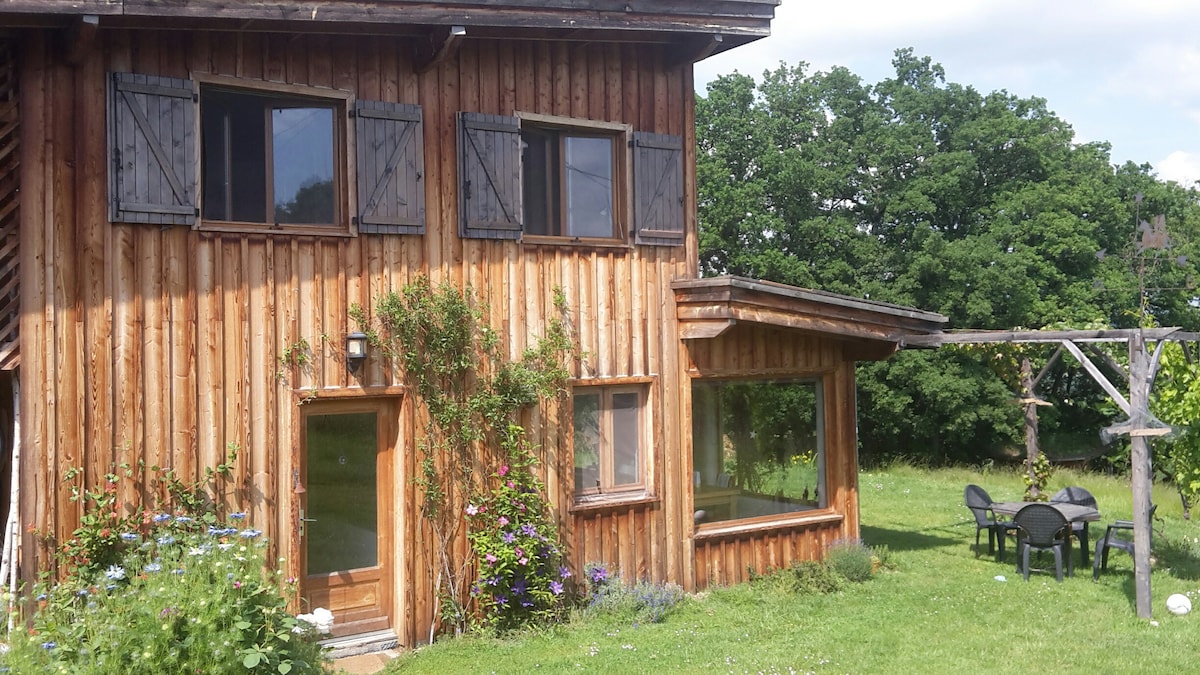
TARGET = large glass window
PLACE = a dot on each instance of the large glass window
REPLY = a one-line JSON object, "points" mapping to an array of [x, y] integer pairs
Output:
{"points": [[609, 447], [569, 183], [269, 159], [758, 448]]}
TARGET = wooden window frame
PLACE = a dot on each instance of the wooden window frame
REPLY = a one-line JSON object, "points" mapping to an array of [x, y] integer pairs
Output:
{"points": [[606, 493], [621, 136], [345, 202]]}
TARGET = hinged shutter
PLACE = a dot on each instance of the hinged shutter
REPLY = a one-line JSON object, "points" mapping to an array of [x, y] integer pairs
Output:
{"points": [[391, 168], [658, 189], [152, 150], [489, 176]]}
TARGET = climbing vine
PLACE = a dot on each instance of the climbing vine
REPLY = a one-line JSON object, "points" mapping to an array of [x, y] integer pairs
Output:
{"points": [[473, 447]]}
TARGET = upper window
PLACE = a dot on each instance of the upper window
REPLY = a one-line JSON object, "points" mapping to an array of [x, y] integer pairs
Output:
{"points": [[609, 440], [270, 159], [556, 179], [245, 155], [569, 183], [758, 448], [273, 158]]}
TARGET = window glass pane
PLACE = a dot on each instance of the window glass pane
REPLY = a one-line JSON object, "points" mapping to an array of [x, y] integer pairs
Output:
{"points": [[589, 186], [302, 149], [233, 156], [538, 181], [758, 448], [341, 492], [587, 442], [626, 435]]}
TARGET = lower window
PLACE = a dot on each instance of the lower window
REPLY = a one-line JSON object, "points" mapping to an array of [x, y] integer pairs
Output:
{"points": [[758, 448], [610, 454]]}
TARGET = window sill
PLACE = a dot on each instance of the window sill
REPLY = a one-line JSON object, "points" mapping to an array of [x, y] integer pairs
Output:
{"points": [[612, 501], [287, 230], [578, 242], [745, 526]]}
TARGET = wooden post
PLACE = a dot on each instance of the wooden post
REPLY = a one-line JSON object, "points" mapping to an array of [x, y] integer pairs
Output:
{"points": [[1031, 425], [1139, 406]]}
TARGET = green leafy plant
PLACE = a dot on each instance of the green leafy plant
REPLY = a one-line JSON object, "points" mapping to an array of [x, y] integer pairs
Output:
{"points": [[180, 594], [471, 397], [1037, 477], [1176, 401]]}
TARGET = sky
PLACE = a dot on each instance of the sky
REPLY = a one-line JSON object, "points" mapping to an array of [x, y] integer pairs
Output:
{"points": [[1122, 71]]}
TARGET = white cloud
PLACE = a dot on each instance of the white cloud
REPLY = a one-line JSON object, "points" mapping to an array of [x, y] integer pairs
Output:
{"points": [[1181, 167]]}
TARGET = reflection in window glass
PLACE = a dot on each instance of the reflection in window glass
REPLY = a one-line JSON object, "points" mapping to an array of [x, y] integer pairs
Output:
{"points": [[589, 188], [625, 439], [341, 495], [303, 164], [758, 448], [587, 441]]}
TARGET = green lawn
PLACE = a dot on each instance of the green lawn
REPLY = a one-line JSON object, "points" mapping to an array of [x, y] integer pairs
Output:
{"points": [[938, 609]]}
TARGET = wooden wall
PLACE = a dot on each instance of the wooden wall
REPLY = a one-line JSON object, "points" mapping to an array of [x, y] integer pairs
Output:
{"points": [[163, 343], [724, 554]]}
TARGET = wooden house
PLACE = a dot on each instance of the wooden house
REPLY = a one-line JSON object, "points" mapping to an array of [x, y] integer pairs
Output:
{"points": [[192, 191]]}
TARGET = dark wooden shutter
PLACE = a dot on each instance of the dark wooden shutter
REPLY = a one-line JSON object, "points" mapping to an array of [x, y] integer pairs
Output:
{"points": [[489, 176], [658, 189], [391, 168], [152, 150]]}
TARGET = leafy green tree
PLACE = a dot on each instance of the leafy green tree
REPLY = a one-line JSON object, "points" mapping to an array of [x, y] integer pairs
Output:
{"points": [[927, 193]]}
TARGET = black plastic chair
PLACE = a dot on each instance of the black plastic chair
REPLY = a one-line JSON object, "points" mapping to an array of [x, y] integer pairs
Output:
{"points": [[977, 499], [1080, 496], [1111, 540], [1041, 527]]}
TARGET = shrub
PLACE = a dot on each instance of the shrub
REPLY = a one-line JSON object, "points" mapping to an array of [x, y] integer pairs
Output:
{"points": [[811, 576], [644, 602], [182, 596], [851, 559]]}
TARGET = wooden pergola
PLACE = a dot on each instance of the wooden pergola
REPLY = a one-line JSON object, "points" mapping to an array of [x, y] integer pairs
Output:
{"points": [[1139, 424]]}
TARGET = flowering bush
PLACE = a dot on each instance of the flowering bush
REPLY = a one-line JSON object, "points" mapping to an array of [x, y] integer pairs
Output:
{"points": [[522, 578], [181, 596], [644, 602]]}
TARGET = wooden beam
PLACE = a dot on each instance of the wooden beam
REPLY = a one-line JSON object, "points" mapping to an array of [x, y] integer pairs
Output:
{"points": [[1037, 381], [1110, 362], [441, 44], [695, 49], [1141, 477], [1097, 375], [1031, 336]]}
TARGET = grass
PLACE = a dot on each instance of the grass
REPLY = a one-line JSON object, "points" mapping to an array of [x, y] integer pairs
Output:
{"points": [[937, 609]]}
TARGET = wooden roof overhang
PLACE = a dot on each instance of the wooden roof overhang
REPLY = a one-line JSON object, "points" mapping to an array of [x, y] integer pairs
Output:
{"points": [[707, 308], [694, 29]]}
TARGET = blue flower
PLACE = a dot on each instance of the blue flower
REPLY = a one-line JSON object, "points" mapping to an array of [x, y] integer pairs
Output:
{"points": [[165, 540], [177, 571], [249, 534], [49, 645], [563, 572], [41, 597], [115, 572], [508, 537], [500, 600], [182, 519], [153, 567], [162, 518], [82, 593], [519, 587], [529, 530], [556, 587], [238, 515], [129, 536]]}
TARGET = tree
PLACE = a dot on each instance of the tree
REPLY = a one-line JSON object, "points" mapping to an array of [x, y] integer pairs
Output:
{"points": [[927, 193]]}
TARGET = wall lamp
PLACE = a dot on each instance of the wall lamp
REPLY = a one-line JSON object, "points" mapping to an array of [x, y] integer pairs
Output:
{"points": [[356, 350]]}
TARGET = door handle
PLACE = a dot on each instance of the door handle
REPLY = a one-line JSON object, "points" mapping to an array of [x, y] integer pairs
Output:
{"points": [[304, 520]]}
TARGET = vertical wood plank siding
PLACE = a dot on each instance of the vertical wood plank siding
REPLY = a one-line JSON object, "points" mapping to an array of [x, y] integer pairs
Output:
{"points": [[162, 343], [773, 353]]}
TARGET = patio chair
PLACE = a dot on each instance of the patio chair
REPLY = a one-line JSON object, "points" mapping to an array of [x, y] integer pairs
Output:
{"points": [[980, 504], [1041, 527], [1111, 540], [1078, 495]]}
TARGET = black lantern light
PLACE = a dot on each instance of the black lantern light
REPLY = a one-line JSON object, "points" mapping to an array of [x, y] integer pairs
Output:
{"points": [[356, 350]]}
